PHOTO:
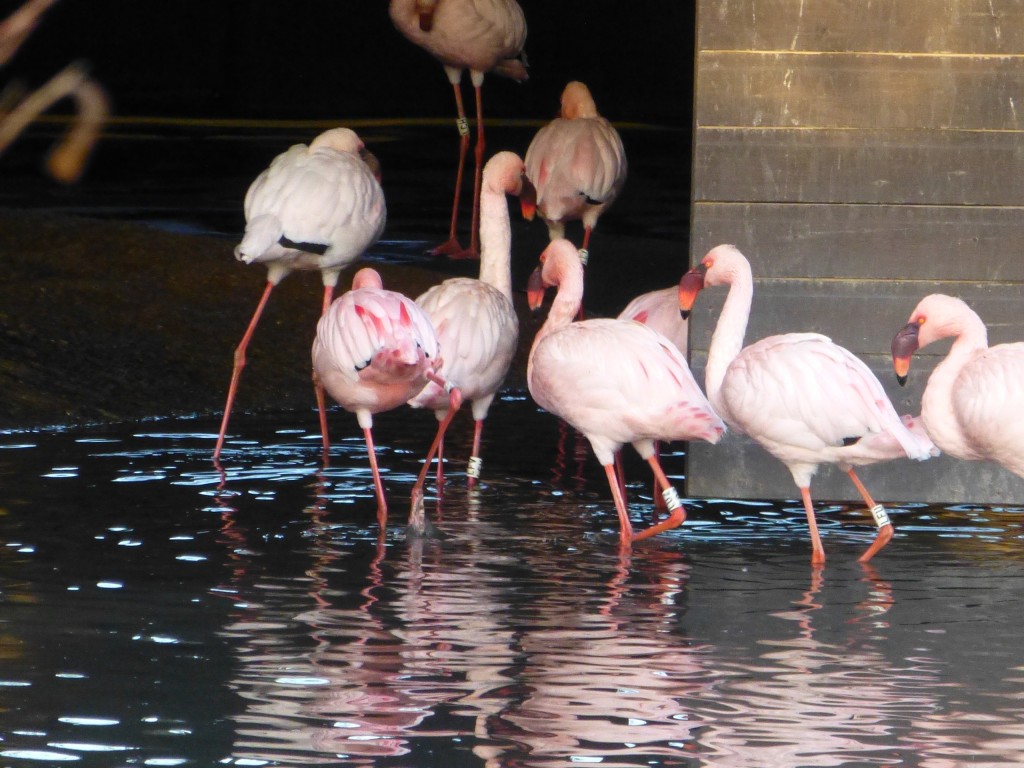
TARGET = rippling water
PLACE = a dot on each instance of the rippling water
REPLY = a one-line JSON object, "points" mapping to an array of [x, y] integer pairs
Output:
{"points": [[157, 613]]}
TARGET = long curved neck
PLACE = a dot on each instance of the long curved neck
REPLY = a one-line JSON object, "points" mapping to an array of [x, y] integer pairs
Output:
{"points": [[970, 338], [564, 308], [495, 241], [727, 340]]}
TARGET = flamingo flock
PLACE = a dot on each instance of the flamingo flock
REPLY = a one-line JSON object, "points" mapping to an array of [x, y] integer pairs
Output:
{"points": [[802, 398]]}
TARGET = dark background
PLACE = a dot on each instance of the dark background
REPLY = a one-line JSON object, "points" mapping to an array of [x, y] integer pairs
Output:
{"points": [[308, 59]]}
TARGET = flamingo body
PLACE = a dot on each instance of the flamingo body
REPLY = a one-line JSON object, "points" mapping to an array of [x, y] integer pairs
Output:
{"points": [[972, 403], [576, 163], [475, 320], [616, 381], [314, 207], [804, 399]]}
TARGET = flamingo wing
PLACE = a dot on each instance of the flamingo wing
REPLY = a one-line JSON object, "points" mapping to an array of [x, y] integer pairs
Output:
{"points": [[988, 399]]}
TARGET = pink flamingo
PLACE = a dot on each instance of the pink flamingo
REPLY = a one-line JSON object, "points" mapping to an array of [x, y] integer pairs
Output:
{"points": [[806, 400], [475, 321], [972, 404], [615, 381], [374, 349], [481, 36], [316, 207], [577, 164]]}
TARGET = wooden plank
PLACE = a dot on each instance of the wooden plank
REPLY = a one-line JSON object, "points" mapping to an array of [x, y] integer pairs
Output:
{"points": [[936, 26], [876, 167], [860, 315], [950, 243], [858, 90]]}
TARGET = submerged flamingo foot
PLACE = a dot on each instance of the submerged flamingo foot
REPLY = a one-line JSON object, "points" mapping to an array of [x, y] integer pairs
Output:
{"points": [[883, 537], [677, 518]]}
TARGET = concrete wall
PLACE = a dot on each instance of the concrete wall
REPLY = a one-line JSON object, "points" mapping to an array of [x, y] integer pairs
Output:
{"points": [[862, 155]]}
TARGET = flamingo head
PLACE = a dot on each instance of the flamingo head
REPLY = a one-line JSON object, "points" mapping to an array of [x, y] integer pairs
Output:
{"points": [[690, 285], [904, 344]]}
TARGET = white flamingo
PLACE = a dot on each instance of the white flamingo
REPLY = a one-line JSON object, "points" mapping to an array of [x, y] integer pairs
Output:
{"points": [[804, 399], [316, 207], [475, 321], [974, 399]]}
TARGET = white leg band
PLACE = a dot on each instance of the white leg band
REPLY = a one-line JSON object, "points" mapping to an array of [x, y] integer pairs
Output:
{"points": [[473, 468], [463, 125], [671, 499], [584, 256], [881, 516]]}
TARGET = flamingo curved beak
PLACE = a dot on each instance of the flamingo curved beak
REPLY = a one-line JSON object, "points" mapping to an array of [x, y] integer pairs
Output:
{"points": [[689, 286], [528, 199], [904, 343], [535, 289]]}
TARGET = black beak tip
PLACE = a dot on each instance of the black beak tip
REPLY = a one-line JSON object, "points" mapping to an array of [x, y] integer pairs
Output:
{"points": [[684, 313], [902, 380]]}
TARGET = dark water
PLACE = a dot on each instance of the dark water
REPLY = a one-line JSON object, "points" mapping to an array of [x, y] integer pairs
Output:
{"points": [[153, 612]]}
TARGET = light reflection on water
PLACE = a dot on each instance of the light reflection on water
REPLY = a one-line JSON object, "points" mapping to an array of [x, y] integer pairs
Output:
{"points": [[156, 613]]}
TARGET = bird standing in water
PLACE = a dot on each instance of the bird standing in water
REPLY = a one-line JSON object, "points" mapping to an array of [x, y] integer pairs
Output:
{"points": [[804, 399], [482, 36], [974, 399], [373, 350], [316, 207], [616, 381], [577, 164], [475, 321]]}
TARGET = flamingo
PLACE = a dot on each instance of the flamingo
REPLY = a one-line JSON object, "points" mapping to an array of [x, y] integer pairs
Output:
{"points": [[804, 399], [973, 400], [374, 349], [316, 207], [475, 321], [479, 35], [616, 381], [577, 164]]}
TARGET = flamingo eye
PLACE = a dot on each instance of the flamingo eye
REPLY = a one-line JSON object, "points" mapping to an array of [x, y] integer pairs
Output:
{"points": [[920, 320]]}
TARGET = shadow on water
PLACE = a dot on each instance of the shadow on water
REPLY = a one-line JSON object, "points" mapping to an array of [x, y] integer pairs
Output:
{"points": [[155, 615]]}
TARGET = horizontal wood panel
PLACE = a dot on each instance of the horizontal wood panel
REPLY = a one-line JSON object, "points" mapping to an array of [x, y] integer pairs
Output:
{"points": [[949, 243], [858, 90], [833, 166], [861, 316], [967, 26]]}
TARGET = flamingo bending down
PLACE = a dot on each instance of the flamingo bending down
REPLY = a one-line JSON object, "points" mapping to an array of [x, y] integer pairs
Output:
{"points": [[316, 207], [481, 36], [577, 164], [373, 350], [616, 381], [475, 321], [806, 400], [972, 403]]}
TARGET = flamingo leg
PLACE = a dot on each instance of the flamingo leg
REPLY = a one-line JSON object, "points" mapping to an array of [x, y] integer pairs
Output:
{"points": [[439, 476], [236, 372], [659, 500], [625, 527], [817, 551], [885, 531], [451, 247], [382, 505], [473, 469], [478, 152], [677, 514], [620, 473], [418, 523]]}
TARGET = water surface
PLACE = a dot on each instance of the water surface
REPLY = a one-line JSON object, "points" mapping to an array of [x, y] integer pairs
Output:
{"points": [[156, 612]]}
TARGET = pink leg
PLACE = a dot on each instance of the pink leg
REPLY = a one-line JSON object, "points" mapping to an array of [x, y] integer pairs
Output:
{"points": [[418, 524], [382, 505], [884, 534], [625, 527], [677, 515], [473, 471], [659, 500], [236, 373], [817, 551], [439, 475], [478, 150], [451, 246]]}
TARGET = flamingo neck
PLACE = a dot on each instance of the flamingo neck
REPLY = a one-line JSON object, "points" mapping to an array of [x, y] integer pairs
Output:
{"points": [[970, 338], [564, 308], [727, 339], [495, 241]]}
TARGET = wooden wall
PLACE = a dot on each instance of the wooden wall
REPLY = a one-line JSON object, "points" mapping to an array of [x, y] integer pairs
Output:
{"points": [[862, 154]]}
